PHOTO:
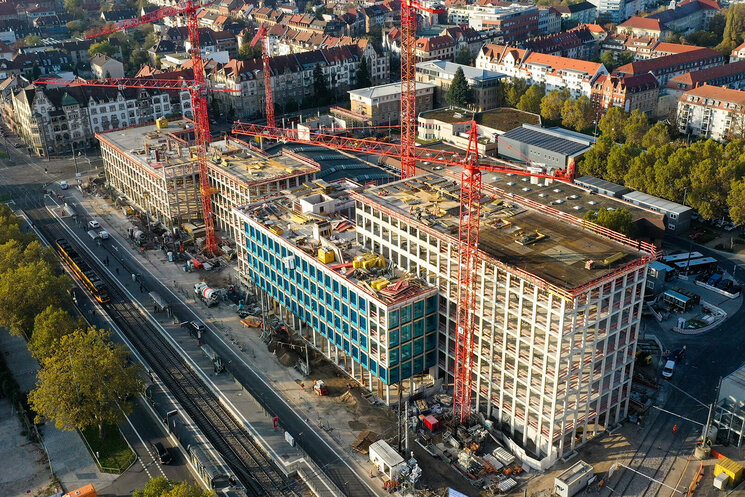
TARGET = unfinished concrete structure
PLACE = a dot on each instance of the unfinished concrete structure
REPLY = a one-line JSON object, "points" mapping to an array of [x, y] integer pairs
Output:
{"points": [[154, 167], [558, 306], [359, 309]]}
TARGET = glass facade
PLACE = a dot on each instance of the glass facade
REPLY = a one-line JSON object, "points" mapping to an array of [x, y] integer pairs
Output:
{"points": [[391, 341]]}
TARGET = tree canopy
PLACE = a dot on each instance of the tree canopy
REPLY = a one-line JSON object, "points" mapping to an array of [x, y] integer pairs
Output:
{"points": [[320, 88], [553, 103], [86, 382], [363, 74], [162, 487], [459, 92], [513, 90], [464, 57], [49, 327], [578, 114], [531, 99], [617, 220], [102, 47]]}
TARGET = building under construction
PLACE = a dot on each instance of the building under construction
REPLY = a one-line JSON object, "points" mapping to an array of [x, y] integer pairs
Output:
{"points": [[155, 168], [557, 312]]}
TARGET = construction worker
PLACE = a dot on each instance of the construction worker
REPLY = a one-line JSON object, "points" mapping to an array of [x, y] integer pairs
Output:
{"points": [[675, 429]]}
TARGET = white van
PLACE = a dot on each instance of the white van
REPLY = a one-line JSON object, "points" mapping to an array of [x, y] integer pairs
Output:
{"points": [[63, 185], [667, 371]]}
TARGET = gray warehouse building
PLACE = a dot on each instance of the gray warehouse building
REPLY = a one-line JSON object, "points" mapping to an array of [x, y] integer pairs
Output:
{"points": [[677, 216], [553, 148]]}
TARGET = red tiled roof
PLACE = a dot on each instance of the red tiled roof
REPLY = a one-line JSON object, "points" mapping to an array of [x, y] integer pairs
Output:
{"points": [[595, 28], [642, 23], [738, 49], [719, 94], [698, 78], [674, 48], [648, 65]]}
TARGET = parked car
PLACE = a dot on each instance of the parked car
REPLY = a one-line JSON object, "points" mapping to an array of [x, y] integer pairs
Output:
{"points": [[103, 234], [667, 371], [164, 455], [93, 224]]}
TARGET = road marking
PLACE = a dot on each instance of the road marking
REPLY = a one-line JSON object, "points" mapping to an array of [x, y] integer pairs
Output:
{"points": [[147, 449]]}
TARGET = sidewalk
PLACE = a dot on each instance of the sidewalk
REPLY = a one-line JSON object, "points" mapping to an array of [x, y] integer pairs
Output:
{"points": [[320, 412], [71, 461]]}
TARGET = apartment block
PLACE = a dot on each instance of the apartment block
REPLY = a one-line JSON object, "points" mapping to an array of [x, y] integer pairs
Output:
{"points": [[153, 167], [669, 66], [484, 83], [359, 308], [557, 312], [506, 22], [382, 104], [712, 112], [555, 72], [628, 93]]}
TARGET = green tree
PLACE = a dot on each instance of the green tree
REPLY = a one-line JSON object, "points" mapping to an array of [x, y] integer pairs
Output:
{"points": [[658, 135], [618, 220], [578, 114], [736, 202], [594, 162], [86, 382], [458, 92], [10, 228], [52, 324], [619, 161], [531, 100], [320, 88], [103, 47], [464, 57], [248, 52], [611, 59], [32, 41], [512, 91], [636, 127], [363, 75], [27, 290], [552, 104], [612, 124], [672, 177], [712, 175], [161, 487], [74, 8], [734, 28], [137, 59]]}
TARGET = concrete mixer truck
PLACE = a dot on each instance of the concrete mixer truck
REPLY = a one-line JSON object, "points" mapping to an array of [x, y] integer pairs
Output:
{"points": [[209, 296]]}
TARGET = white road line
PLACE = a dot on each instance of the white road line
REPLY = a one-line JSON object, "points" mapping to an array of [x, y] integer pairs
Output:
{"points": [[207, 446], [147, 449]]}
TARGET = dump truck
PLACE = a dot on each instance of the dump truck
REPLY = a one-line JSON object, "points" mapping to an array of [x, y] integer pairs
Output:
{"points": [[320, 388], [209, 296]]}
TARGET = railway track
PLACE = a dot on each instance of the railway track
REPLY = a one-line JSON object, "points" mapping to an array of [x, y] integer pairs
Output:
{"points": [[256, 471]]}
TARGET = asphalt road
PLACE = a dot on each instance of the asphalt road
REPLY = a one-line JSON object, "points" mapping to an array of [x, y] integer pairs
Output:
{"points": [[23, 180]]}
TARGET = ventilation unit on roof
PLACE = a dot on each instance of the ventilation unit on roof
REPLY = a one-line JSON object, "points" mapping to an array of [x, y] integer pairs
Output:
{"points": [[558, 202], [510, 183], [592, 202], [558, 190], [526, 189], [542, 195], [573, 197]]}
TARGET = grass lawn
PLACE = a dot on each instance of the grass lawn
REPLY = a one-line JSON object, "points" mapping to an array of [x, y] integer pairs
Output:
{"points": [[114, 455]]}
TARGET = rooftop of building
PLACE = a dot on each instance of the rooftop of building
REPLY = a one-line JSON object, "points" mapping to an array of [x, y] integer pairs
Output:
{"points": [[506, 119], [312, 219], [524, 239], [678, 59], [655, 203], [715, 96], [387, 90], [159, 148], [443, 67], [569, 143], [697, 78]]}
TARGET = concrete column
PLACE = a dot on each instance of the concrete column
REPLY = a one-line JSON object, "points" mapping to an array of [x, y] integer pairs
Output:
{"points": [[387, 394], [353, 376], [411, 384]]}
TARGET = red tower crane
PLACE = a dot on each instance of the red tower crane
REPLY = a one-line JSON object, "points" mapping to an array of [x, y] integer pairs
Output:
{"points": [[197, 88], [468, 228], [261, 36]]}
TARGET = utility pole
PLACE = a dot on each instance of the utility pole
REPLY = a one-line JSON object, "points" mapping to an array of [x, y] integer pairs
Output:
{"points": [[710, 418]]}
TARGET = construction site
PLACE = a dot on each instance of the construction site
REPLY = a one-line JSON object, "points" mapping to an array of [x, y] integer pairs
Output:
{"points": [[453, 298]]}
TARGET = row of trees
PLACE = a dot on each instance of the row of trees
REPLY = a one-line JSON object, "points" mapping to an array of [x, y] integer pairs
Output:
{"points": [[557, 106], [162, 487], [84, 380], [706, 175]]}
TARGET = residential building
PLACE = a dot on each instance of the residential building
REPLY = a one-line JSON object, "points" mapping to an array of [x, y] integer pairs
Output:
{"points": [[484, 83], [576, 43], [551, 148], [730, 75], [712, 112], [611, 10], [683, 18], [104, 66], [52, 61], [292, 78], [152, 166], [435, 48], [669, 66], [555, 72], [575, 14], [628, 93], [382, 104], [738, 53], [643, 26], [507, 22], [549, 20]]}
